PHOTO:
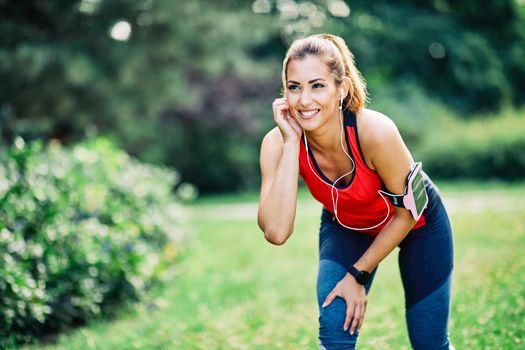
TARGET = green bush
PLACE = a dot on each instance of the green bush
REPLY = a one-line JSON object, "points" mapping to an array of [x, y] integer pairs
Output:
{"points": [[479, 149], [81, 229]]}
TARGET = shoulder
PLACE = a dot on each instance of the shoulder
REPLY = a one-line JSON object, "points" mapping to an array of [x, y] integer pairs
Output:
{"points": [[380, 140], [272, 141], [375, 128], [273, 136], [271, 148]]}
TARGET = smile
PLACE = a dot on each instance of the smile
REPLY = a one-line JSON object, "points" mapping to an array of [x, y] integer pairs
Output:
{"points": [[309, 114]]}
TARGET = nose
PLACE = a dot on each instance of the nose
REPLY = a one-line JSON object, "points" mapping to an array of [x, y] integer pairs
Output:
{"points": [[306, 98]]}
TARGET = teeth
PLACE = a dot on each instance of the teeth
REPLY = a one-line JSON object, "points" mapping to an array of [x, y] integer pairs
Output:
{"points": [[309, 113]]}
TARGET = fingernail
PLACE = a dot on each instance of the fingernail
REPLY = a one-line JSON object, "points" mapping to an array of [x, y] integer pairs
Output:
{"points": [[324, 305], [351, 332]]}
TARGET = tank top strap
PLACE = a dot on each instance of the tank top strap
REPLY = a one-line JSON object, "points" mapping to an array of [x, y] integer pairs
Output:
{"points": [[350, 123], [349, 118]]}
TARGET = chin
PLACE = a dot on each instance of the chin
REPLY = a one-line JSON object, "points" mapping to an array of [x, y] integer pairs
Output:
{"points": [[309, 126]]}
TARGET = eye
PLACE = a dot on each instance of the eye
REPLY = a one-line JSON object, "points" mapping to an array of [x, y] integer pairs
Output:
{"points": [[291, 87], [318, 84]]}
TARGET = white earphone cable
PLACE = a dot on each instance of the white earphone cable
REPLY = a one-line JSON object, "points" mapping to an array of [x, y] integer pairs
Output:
{"points": [[332, 186]]}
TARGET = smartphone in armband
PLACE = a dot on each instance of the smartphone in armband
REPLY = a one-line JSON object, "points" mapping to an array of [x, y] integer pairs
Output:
{"points": [[415, 198]]}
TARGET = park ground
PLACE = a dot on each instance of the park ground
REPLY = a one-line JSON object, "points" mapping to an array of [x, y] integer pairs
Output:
{"points": [[233, 290]]}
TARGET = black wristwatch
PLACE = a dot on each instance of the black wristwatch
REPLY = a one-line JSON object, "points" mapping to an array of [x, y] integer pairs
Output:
{"points": [[362, 277]]}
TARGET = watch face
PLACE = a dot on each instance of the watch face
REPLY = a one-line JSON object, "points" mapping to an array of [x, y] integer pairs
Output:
{"points": [[363, 277]]}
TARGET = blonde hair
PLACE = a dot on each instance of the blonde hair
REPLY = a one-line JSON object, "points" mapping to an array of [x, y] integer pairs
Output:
{"points": [[339, 59]]}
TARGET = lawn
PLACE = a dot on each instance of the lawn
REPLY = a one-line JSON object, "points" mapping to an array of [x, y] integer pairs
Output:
{"points": [[233, 290]]}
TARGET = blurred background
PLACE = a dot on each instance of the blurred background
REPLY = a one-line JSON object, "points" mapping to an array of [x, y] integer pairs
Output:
{"points": [[189, 84], [114, 112]]}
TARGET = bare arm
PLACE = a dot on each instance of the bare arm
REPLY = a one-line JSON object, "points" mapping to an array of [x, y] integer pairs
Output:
{"points": [[278, 197], [279, 175], [392, 161]]}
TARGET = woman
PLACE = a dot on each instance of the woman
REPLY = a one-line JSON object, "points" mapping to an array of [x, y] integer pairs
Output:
{"points": [[350, 157]]}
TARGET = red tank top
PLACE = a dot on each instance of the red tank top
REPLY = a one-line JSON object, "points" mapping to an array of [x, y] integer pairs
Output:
{"points": [[359, 204]]}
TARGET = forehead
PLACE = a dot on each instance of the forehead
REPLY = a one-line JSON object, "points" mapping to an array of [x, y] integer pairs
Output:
{"points": [[309, 68]]}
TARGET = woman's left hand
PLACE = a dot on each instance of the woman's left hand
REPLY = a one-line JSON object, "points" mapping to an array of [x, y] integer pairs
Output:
{"points": [[354, 295]]}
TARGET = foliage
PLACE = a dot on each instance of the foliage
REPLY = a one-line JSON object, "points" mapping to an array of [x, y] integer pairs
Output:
{"points": [[189, 86], [415, 113], [181, 80], [480, 149], [458, 53], [81, 230]]}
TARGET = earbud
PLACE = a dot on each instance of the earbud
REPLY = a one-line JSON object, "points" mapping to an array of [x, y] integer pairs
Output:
{"points": [[342, 93]]}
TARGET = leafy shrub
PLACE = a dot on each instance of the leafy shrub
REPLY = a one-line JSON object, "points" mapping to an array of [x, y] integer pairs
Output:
{"points": [[478, 149], [407, 104], [80, 230]]}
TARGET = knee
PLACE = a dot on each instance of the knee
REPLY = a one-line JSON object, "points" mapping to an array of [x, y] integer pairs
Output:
{"points": [[332, 336]]}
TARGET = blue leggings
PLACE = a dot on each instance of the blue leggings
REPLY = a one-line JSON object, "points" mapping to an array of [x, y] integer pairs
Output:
{"points": [[425, 262]]}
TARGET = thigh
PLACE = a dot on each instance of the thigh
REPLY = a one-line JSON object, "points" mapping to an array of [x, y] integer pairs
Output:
{"points": [[340, 244], [426, 264], [338, 248]]}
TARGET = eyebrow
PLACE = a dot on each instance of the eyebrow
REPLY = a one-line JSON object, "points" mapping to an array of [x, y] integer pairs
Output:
{"points": [[311, 81]]}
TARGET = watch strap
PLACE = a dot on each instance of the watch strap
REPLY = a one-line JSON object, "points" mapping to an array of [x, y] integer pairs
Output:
{"points": [[361, 277]]}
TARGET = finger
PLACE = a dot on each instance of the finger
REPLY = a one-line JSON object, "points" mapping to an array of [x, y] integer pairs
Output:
{"points": [[349, 315], [329, 299], [361, 320], [279, 102], [280, 106], [356, 319], [280, 112], [362, 316]]}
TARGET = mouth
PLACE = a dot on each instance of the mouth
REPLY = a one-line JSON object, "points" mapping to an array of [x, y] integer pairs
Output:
{"points": [[309, 114]]}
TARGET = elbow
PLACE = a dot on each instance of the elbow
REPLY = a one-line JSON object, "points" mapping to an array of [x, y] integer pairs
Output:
{"points": [[406, 218], [274, 233], [411, 222], [276, 236]]}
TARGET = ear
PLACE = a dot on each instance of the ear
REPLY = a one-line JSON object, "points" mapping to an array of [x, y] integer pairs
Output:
{"points": [[346, 86]]}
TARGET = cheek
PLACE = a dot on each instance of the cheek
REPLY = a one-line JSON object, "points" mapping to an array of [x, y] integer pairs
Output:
{"points": [[324, 97], [327, 104], [292, 99]]}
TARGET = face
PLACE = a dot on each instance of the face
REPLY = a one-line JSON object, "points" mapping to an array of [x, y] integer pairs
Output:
{"points": [[311, 92]]}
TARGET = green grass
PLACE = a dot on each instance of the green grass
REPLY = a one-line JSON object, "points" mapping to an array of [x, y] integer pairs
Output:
{"points": [[233, 290]]}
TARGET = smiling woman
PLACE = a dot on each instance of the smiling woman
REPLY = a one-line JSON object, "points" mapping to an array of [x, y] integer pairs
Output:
{"points": [[355, 163]]}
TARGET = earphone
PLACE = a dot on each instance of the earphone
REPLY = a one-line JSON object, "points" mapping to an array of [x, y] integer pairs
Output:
{"points": [[332, 186]]}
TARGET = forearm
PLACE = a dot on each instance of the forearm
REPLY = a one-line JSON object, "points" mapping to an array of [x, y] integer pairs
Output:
{"points": [[389, 238], [277, 209]]}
